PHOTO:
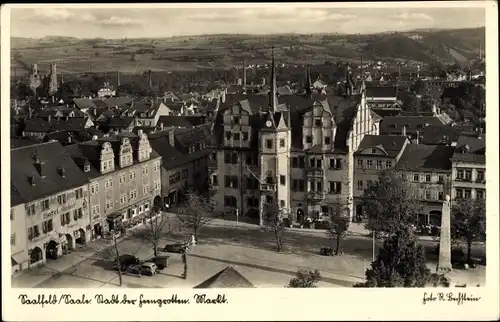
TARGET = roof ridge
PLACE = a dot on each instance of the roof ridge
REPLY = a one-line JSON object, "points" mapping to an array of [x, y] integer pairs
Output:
{"points": [[33, 145]]}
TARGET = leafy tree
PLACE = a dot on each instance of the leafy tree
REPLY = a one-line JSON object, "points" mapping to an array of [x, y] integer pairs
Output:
{"points": [[154, 229], [305, 279], [391, 203], [411, 103], [400, 263], [272, 221], [420, 87], [468, 222], [195, 213], [339, 225]]}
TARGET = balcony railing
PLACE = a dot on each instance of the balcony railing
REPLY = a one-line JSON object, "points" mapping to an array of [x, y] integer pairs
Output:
{"points": [[268, 187], [315, 172], [316, 195]]}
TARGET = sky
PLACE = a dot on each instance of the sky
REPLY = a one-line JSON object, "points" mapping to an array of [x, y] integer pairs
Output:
{"points": [[143, 22]]}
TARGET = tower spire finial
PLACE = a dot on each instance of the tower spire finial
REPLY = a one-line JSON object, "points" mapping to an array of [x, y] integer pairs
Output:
{"points": [[272, 93]]}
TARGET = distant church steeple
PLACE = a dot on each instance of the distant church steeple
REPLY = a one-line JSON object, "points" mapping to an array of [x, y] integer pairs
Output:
{"points": [[273, 92], [308, 84]]}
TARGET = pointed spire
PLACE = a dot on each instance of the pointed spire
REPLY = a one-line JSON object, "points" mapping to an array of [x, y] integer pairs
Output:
{"points": [[272, 92], [118, 78]]}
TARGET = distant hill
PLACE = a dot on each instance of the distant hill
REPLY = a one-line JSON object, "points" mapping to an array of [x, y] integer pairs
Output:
{"points": [[74, 55]]}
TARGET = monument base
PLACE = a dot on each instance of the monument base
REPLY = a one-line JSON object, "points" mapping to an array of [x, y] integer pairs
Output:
{"points": [[443, 269]]}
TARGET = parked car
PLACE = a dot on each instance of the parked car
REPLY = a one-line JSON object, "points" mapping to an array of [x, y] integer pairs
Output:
{"points": [[179, 248], [149, 269], [134, 270], [125, 261]]}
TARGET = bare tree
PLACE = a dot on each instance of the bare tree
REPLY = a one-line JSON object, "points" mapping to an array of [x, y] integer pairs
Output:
{"points": [[339, 225], [156, 227], [272, 221], [195, 213]]}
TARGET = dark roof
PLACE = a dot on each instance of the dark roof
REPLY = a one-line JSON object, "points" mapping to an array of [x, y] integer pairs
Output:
{"points": [[117, 101], [412, 123], [15, 196], [420, 157], [121, 121], [18, 143], [54, 157], [443, 134], [43, 126], [180, 121], [470, 148], [83, 103], [227, 278], [383, 91], [391, 144]]}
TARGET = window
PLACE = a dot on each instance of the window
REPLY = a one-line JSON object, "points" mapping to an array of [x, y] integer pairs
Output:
{"points": [[369, 183], [123, 199], [309, 139], [145, 190], [230, 201], [319, 163], [327, 140], [33, 232], [335, 164], [228, 135], [427, 195], [45, 204], [369, 164], [30, 210], [282, 203], [252, 183], [236, 120], [237, 136], [302, 162], [440, 178], [132, 175], [416, 177], [61, 199], [47, 226], [231, 182], [283, 180], [360, 164], [427, 178], [360, 185], [295, 162], [374, 151], [144, 170], [460, 194], [86, 168], [460, 174], [440, 195], [13, 239], [269, 144], [480, 194], [133, 194], [252, 202], [335, 187], [282, 143], [109, 204], [215, 180], [379, 164], [157, 185], [467, 193], [245, 136], [79, 193], [480, 176], [230, 158], [388, 164], [65, 219], [146, 206], [317, 122], [319, 186], [184, 174], [468, 175], [96, 210]]}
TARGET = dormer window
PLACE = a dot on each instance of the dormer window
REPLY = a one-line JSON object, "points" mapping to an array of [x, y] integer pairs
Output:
{"points": [[86, 168], [374, 151]]}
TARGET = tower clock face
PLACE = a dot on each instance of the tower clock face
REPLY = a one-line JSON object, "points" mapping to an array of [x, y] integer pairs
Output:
{"points": [[268, 124]]}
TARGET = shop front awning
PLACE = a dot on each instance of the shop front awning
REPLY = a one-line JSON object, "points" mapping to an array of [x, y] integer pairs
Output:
{"points": [[19, 258]]}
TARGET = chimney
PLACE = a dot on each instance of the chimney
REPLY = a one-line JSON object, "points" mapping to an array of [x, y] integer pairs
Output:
{"points": [[417, 140], [94, 137], [404, 131], [30, 112], [32, 180], [161, 126], [139, 132], [223, 97], [49, 118], [244, 73], [69, 139], [171, 137], [40, 167], [62, 172]]}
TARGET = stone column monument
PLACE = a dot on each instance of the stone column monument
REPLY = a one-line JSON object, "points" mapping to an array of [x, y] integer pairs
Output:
{"points": [[444, 263]]}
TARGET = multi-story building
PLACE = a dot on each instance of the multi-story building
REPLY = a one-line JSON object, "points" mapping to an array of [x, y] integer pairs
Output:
{"points": [[184, 155], [375, 154], [18, 237], [469, 167], [55, 196], [294, 150], [428, 170], [381, 97], [124, 179]]}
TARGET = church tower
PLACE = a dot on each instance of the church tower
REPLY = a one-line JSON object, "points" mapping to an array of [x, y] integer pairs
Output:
{"points": [[308, 87], [53, 85], [274, 151], [35, 79]]}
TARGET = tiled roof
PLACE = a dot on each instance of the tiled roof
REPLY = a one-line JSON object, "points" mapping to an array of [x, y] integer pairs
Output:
{"points": [[412, 123], [121, 122], [180, 121], [15, 196], [54, 157], [227, 278], [83, 103], [391, 144], [470, 148], [43, 126], [443, 134], [117, 101], [18, 143], [420, 157], [383, 91]]}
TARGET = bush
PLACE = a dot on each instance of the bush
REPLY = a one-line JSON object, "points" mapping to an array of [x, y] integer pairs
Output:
{"points": [[305, 279]]}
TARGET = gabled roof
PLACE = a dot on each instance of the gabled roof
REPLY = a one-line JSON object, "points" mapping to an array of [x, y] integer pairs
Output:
{"points": [[83, 103], [470, 148], [412, 123], [180, 121], [420, 157], [443, 134], [121, 122], [227, 278], [54, 157], [390, 144]]}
